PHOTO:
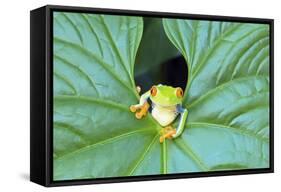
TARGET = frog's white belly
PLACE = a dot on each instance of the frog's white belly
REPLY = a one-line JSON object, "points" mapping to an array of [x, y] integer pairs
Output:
{"points": [[164, 115]]}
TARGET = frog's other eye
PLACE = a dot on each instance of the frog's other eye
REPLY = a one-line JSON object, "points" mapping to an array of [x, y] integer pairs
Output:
{"points": [[153, 91], [179, 92]]}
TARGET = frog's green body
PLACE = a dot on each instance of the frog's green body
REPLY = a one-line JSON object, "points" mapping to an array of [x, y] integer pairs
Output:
{"points": [[166, 106]]}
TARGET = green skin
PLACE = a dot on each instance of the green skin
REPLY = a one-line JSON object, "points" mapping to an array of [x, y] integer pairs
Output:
{"points": [[166, 106]]}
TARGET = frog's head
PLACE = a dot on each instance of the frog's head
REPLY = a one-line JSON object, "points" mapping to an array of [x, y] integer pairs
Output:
{"points": [[166, 96]]}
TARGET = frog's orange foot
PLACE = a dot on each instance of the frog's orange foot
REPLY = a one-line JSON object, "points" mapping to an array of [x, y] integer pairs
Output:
{"points": [[167, 132], [140, 111]]}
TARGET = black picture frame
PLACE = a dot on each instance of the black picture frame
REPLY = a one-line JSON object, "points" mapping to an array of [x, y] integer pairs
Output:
{"points": [[41, 94]]}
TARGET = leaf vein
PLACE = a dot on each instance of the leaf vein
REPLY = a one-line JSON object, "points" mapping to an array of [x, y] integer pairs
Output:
{"points": [[241, 131], [221, 87], [84, 16], [66, 81], [110, 37], [79, 70], [131, 172], [101, 62], [76, 29], [103, 142], [188, 151]]}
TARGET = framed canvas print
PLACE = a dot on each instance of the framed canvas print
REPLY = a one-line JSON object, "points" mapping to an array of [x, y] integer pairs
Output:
{"points": [[120, 95]]}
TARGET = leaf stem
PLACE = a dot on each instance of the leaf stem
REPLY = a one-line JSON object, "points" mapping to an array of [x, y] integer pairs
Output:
{"points": [[164, 157]]}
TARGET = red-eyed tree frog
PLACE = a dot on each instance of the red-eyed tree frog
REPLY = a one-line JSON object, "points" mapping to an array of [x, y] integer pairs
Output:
{"points": [[166, 106]]}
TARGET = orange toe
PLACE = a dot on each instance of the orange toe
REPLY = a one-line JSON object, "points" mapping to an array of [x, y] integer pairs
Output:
{"points": [[133, 108], [138, 115]]}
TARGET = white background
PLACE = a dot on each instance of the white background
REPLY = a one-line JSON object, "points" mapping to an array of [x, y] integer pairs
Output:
{"points": [[14, 95]]}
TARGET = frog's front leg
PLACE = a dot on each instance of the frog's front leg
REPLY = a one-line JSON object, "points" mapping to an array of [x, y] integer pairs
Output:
{"points": [[172, 133], [183, 116], [141, 108]]}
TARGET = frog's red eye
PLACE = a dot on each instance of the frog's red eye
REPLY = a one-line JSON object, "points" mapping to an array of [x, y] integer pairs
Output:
{"points": [[179, 92], [153, 91]]}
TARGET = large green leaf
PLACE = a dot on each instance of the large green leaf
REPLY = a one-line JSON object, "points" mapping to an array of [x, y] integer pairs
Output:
{"points": [[227, 93], [95, 134]]}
